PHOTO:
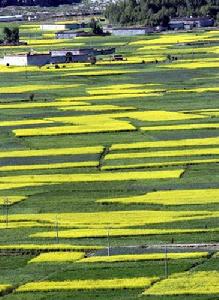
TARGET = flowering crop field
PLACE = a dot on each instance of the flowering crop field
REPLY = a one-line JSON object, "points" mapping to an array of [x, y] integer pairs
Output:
{"points": [[109, 172], [9, 200], [53, 257], [167, 144], [125, 283], [170, 153], [187, 283], [183, 127], [159, 164], [4, 287], [49, 247], [116, 219], [174, 197], [85, 233], [141, 257]]}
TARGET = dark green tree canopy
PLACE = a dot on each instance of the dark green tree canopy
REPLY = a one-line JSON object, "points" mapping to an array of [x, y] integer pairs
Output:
{"points": [[158, 12], [11, 36]]}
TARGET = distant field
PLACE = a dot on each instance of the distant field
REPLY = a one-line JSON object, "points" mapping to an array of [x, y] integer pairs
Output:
{"points": [[96, 157]]}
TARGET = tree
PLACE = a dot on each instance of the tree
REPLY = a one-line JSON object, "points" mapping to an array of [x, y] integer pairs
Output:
{"points": [[95, 27], [11, 36], [93, 60], [7, 35], [15, 35], [158, 12]]}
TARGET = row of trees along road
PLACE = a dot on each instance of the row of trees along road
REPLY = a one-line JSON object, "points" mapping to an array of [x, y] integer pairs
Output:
{"points": [[158, 12]]}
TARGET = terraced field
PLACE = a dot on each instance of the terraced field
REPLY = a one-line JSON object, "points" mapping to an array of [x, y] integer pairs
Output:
{"points": [[103, 165]]}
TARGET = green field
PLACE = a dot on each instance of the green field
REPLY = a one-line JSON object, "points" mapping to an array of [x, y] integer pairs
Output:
{"points": [[114, 154]]}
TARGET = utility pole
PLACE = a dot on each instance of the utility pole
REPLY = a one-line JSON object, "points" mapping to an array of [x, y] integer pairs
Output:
{"points": [[6, 206], [166, 263], [57, 230], [108, 242], [26, 70]]}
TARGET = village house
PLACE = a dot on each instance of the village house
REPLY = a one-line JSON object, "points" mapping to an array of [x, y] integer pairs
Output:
{"points": [[70, 34], [59, 27], [26, 59], [54, 57], [11, 18], [190, 23], [67, 56], [128, 31], [66, 34]]}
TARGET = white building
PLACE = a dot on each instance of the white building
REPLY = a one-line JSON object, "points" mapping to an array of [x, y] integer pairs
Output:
{"points": [[54, 57], [128, 31], [66, 34], [11, 18], [26, 59], [59, 27]]}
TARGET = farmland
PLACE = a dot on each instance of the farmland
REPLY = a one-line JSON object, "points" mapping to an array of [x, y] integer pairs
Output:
{"points": [[103, 165]]}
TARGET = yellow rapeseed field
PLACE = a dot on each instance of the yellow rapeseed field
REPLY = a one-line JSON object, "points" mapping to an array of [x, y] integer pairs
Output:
{"points": [[142, 257], [24, 105], [25, 224], [46, 42], [50, 247], [92, 284], [107, 125], [196, 90], [94, 233], [9, 186], [65, 178], [168, 143], [166, 153], [81, 164], [156, 115], [113, 219], [172, 197], [118, 87], [103, 122], [182, 127], [34, 87], [159, 164], [9, 200], [211, 113], [57, 257], [51, 152], [187, 283], [23, 122], [4, 287], [96, 107], [13, 182], [168, 39], [192, 65], [108, 97], [143, 90]]}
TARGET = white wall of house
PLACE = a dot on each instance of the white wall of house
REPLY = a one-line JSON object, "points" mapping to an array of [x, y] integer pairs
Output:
{"points": [[52, 27], [11, 18], [65, 35], [128, 32], [26, 60], [15, 60]]}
